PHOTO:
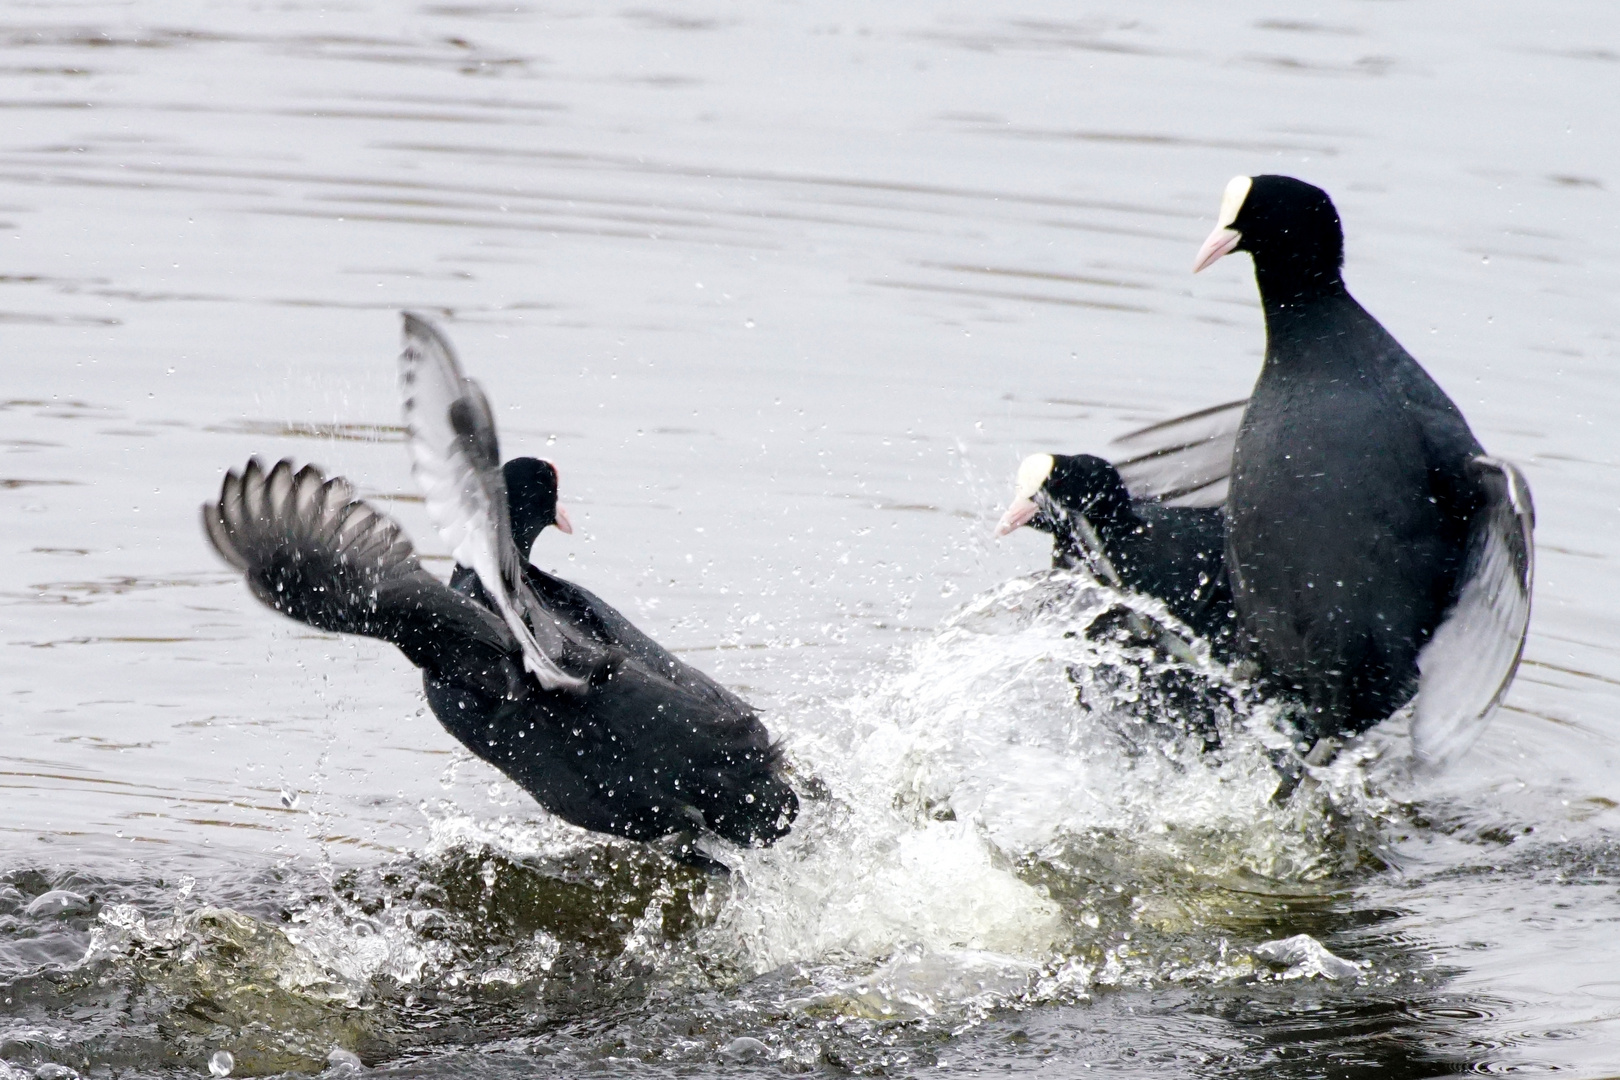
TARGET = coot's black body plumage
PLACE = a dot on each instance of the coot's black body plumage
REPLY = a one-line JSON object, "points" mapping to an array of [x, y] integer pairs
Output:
{"points": [[1175, 554], [1357, 509], [652, 747]]}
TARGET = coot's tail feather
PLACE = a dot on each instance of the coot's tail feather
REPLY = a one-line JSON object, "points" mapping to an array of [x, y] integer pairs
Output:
{"points": [[743, 796], [760, 813], [312, 550]]}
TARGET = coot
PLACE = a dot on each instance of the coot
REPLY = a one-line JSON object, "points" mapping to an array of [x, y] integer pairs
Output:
{"points": [[1375, 551], [1175, 554], [533, 674]]}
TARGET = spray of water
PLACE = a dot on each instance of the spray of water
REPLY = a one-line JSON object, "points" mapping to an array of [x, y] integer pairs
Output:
{"points": [[1032, 804]]}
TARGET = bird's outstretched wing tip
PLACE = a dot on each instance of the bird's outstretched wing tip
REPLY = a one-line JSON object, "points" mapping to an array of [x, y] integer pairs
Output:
{"points": [[1183, 461], [271, 522], [415, 324], [423, 344], [1165, 432], [1469, 664]]}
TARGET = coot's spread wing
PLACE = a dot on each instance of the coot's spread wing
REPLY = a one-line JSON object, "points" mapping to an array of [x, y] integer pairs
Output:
{"points": [[313, 551], [455, 456], [1467, 666], [1186, 461]]}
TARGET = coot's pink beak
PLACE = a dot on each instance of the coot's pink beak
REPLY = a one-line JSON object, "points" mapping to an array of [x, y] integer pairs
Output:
{"points": [[1221, 242], [1018, 515], [562, 522]]}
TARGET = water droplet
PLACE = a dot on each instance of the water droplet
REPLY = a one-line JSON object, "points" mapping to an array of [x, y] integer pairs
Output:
{"points": [[221, 1063], [744, 1049], [289, 799], [343, 1061], [748, 324], [57, 902]]}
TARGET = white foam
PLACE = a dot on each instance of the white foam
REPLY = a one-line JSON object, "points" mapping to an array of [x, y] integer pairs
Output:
{"points": [[1306, 958]]}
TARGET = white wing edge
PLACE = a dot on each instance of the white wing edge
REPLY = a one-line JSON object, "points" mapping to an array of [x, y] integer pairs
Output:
{"points": [[1184, 461], [466, 506], [1466, 668]]}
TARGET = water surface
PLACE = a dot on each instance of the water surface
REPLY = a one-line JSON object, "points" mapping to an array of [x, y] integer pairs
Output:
{"points": [[786, 291]]}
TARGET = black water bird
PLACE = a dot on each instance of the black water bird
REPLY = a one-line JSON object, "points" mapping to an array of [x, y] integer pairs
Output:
{"points": [[1175, 554], [1375, 551], [533, 674]]}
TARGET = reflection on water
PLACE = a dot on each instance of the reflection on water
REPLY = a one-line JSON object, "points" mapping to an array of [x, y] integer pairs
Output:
{"points": [[786, 294]]}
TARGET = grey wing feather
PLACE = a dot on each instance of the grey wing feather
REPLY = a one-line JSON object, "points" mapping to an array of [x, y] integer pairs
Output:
{"points": [[314, 552], [455, 457], [1186, 461], [1467, 666]]}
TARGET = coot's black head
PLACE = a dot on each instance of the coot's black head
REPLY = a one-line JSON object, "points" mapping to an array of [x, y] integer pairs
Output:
{"points": [[1291, 229], [531, 496], [1053, 487]]}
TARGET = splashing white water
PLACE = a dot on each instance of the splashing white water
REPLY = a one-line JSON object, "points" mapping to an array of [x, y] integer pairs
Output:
{"points": [[1012, 745]]}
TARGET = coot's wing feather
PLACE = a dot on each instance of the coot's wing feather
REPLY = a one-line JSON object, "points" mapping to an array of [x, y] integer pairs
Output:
{"points": [[455, 457], [1468, 664], [605, 623], [1186, 461], [313, 551]]}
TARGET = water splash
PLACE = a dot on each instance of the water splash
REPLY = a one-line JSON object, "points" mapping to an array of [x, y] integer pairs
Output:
{"points": [[1033, 804], [1303, 957], [236, 989]]}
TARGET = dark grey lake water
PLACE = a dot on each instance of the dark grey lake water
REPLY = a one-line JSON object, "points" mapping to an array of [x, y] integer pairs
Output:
{"points": [[786, 291]]}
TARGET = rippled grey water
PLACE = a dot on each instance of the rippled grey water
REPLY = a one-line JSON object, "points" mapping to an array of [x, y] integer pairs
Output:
{"points": [[786, 290]]}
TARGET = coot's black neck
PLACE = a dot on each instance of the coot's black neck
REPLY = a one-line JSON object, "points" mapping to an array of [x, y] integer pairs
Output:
{"points": [[1110, 513], [1113, 517], [1292, 285], [1303, 317], [1112, 520]]}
